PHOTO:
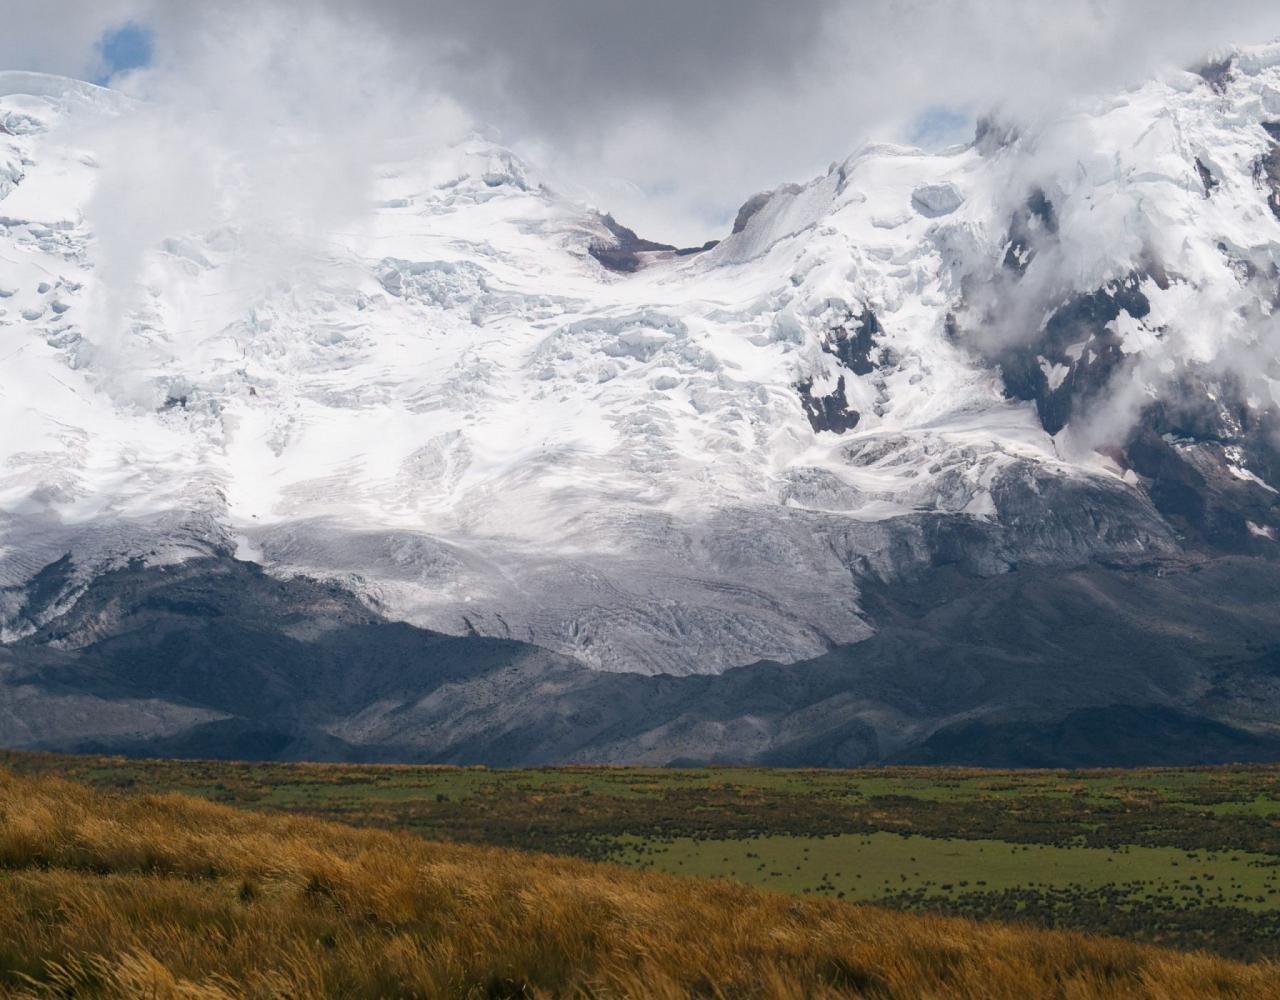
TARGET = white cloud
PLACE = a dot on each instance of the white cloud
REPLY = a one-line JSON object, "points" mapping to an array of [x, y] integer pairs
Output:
{"points": [[246, 121], [670, 112]]}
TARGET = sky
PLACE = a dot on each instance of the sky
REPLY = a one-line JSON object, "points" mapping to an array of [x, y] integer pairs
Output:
{"points": [[669, 113], [124, 47]]}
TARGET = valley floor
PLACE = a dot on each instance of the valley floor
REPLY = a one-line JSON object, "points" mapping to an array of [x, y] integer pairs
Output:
{"points": [[133, 894], [1187, 858]]}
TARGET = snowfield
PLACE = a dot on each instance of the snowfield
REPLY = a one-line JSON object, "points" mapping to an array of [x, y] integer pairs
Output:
{"points": [[449, 405]]}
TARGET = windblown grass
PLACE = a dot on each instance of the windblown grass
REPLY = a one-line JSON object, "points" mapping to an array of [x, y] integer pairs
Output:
{"points": [[1178, 857], [169, 896]]}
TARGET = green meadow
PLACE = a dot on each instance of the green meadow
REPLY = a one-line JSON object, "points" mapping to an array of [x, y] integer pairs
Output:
{"points": [[1183, 857]]}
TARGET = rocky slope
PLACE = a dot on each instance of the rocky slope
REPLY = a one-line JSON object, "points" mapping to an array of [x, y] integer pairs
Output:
{"points": [[1094, 666]]}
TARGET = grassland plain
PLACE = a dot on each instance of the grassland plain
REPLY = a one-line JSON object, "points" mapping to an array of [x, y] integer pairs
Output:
{"points": [[1182, 857], [165, 896]]}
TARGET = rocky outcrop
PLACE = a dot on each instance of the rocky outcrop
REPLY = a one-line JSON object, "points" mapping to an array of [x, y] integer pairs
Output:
{"points": [[1267, 170], [1216, 73], [621, 250], [1207, 180], [1034, 221], [1072, 360], [854, 341], [830, 412], [758, 201], [1211, 464]]}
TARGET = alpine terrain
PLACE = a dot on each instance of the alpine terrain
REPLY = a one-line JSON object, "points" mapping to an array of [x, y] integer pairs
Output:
{"points": [[968, 456]]}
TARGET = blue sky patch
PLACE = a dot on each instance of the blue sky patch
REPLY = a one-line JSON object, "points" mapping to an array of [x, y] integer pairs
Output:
{"points": [[124, 48], [939, 126]]}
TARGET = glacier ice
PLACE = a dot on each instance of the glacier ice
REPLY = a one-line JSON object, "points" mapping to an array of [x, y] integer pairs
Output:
{"points": [[455, 410]]}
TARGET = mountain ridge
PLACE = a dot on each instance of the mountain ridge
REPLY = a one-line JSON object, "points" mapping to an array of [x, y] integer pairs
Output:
{"points": [[1048, 355]]}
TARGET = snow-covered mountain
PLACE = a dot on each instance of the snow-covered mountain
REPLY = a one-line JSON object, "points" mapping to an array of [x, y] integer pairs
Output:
{"points": [[487, 410]]}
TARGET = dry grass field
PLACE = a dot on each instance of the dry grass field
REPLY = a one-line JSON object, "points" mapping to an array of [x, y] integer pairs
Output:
{"points": [[1187, 858], [126, 895]]}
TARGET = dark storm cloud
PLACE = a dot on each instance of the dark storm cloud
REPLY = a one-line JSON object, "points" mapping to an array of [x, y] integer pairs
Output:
{"points": [[671, 112], [699, 103], [572, 64]]}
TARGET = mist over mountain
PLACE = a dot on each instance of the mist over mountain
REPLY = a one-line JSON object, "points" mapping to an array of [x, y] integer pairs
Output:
{"points": [[964, 454]]}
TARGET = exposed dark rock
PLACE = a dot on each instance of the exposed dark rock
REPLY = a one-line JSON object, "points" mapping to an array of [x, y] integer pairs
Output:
{"points": [[1266, 171], [1203, 410], [615, 258], [1196, 450], [42, 592], [217, 634], [1216, 74], [622, 252], [749, 208], [1029, 225], [854, 340], [1044, 519], [757, 201], [1207, 180], [830, 412], [990, 135], [1078, 350], [690, 251]]}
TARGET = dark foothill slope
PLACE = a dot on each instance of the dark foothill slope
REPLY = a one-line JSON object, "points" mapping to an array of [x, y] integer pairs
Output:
{"points": [[272, 661], [1114, 735], [1169, 663]]}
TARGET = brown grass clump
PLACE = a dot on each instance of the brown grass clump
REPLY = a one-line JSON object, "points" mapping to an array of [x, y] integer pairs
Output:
{"points": [[168, 896]]}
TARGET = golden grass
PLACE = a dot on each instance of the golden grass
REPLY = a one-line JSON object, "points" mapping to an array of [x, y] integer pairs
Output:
{"points": [[169, 896]]}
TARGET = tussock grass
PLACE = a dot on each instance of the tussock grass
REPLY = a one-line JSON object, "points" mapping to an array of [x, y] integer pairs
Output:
{"points": [[169, 896]]}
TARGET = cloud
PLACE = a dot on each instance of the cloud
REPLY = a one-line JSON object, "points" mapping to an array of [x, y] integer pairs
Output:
{"points": [[696, 104], [672, 112], [243, 128]]}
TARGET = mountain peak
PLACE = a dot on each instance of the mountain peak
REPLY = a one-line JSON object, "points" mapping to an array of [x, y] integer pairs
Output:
{"points": [[489, 409]]}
